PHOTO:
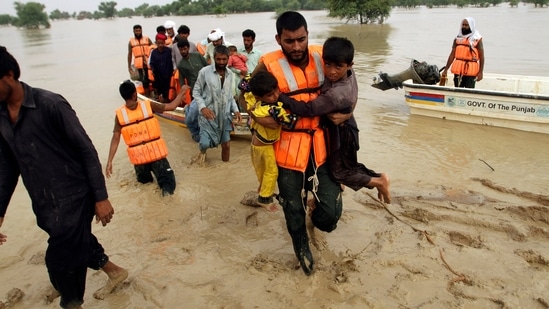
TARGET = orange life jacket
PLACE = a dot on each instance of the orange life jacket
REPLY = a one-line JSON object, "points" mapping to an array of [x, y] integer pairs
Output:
{"points": [[201, 48], [141, 132], [466, 62], [175, 87], [140, 51], [293, 149]]}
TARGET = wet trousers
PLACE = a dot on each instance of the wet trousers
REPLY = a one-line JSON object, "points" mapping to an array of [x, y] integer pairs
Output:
{"points": [[343, 162], [161, 170], [293, 186], [72, 248], [191, 120], [264, 162]]}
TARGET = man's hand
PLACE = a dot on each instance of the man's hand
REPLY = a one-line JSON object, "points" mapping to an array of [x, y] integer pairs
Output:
{"points": [[103, 212], [238, 117], [339, 118], [184, 89], [108, 170], [3, 237], [207, 113]]}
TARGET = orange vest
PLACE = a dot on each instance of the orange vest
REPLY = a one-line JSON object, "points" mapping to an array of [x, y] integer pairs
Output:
{"points": [[466, 62], [293, 149], [141, 132], [201, 48], [175, 87], [140, 51]]}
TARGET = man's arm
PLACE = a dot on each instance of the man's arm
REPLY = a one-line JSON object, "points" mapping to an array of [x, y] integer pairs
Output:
{"points": [[323, 104], [480, 48], [9, 175], [198, 88], [130, 57], [450, 59], [161, 107], [115, 140]]}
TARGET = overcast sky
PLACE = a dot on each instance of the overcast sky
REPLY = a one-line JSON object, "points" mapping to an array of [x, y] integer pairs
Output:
{"points": [[6, 6]]}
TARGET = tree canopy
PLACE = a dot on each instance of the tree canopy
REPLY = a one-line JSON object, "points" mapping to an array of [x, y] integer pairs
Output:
{"points": [[362, 11], [30, 15]]}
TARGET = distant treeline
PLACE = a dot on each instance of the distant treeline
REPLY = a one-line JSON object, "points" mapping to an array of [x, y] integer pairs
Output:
{"points": [[32, 15]]}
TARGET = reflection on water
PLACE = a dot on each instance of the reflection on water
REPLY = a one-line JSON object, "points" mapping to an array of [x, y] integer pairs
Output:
{"points": [[370, 41], [36, 37]]}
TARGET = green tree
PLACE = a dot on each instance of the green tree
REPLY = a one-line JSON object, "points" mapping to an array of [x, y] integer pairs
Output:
{"points": [[140, 10], [5, 20], [108, 9], [56, 14], [31, 15], [363, 11], [126, 12]]}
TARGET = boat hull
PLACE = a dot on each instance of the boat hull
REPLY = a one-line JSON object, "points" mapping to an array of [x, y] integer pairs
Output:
{"points": [[509, 101]]}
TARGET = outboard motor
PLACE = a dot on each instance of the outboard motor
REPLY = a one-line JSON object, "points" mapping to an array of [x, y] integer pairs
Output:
{"points": [[419, 72]]}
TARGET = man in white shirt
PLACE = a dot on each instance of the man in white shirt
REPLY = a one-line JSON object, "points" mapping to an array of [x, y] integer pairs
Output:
{"points": [[253, 54]]}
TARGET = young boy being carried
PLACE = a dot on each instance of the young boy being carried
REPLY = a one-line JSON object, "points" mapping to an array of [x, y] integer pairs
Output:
{"points": [[340, 94], [261, 94]]}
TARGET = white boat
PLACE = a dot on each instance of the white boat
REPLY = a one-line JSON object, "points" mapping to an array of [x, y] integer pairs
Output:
{"points": [[509, 101], [177, 117]]}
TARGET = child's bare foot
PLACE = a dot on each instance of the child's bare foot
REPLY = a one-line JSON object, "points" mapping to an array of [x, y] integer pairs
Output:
{"points": [[116, 276], [383, 190], [311, 205]]}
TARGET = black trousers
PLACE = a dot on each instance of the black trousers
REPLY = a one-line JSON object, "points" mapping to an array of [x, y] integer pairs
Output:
{"points": [[466, 81], [343, 161], [161, 170], [72, 248]]}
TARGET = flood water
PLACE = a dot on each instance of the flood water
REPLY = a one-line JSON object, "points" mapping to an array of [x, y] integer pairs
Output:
{"points": [[86, 60]]}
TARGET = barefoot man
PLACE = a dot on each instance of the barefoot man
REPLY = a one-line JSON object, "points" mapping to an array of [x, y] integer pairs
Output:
{"points": [[42, 140]]}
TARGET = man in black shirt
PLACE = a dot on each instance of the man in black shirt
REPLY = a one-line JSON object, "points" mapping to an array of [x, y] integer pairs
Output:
{"points": [[42, 140]]}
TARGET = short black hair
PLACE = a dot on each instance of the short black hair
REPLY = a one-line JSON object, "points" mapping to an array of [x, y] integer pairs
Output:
{"points": [[160, 29], [291, 21], [127, 89], [232, 48], [183, 43], [248, 33], [221, 49], [262, 83], [338, 50], [136, 27], [183, 29], [8, 63]]}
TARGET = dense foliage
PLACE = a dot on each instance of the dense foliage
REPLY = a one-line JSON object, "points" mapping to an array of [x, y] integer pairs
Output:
{"points": [[32, 15]]}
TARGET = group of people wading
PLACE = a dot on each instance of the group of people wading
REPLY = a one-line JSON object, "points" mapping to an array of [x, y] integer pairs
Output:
{"points": [[317, 85]]}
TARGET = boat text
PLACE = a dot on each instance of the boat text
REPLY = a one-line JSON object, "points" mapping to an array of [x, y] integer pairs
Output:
{"points": [[502, 107]]}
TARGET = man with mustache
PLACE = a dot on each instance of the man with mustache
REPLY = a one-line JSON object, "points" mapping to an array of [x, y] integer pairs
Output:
{"points": [[467, 56], [214, 96]]}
